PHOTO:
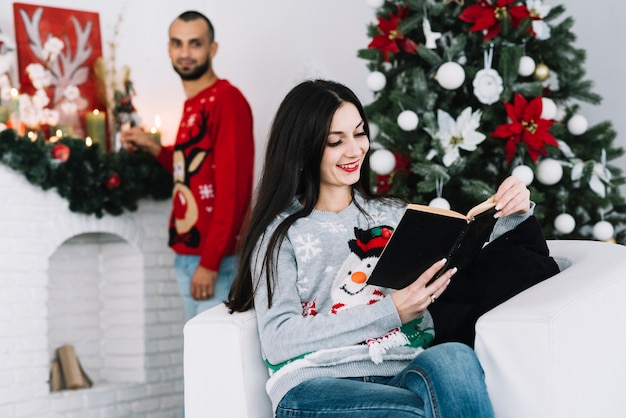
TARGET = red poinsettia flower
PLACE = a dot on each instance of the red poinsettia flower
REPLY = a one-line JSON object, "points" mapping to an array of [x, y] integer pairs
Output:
{"points": [[487, 16], [390, 40], [526, 126]]}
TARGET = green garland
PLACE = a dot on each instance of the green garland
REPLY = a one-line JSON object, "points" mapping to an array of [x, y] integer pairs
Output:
{"points": [[84, 178]]}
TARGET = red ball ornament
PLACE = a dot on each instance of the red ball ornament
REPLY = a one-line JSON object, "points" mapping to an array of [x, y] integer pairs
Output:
{"points": [[113, 181], [60, 152]]}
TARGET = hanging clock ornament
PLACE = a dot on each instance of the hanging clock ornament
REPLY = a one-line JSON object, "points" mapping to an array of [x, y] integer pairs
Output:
{"points": [[375, 4], [542, 72], [526, 66], [487, 82], [450, 75], [382, 162], [549, 171], [564, 223], [376, 81], [548, 109], [524, 174], [408, 120], [439, 202], [577, 125], [603, 231]]}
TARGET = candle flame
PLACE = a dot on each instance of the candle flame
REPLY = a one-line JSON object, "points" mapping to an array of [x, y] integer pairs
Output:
{"points": [[32, 136], [88, 140], [14, 92], [96, 112]]}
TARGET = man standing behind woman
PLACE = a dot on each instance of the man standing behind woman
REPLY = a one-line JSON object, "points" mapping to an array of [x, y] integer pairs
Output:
{"points": [[212, 165]]}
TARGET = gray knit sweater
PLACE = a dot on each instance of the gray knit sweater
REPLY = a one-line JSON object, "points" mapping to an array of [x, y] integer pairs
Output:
{"points": [[322, 323]]}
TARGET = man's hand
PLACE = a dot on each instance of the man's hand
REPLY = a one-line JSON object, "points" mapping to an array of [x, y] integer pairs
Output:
{"points": [[203, 283], [136, 139]]}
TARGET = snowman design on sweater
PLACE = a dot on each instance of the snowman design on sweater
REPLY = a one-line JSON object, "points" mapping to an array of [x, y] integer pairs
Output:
{"points": [[350, 289]]}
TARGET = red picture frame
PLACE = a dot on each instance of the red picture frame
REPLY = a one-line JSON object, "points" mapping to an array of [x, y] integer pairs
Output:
{"points": [[80, 33]]}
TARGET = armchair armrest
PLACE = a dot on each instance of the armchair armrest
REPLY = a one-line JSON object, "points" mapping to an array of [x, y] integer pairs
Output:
{"points": [[224, 372], [557, 349]]}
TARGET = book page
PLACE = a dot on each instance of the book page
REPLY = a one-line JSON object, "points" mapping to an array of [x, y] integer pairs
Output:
{"points": [[481, 207], [438, 211]]}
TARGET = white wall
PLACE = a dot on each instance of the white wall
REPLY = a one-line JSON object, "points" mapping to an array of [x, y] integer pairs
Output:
{"points": [[267, 46]]}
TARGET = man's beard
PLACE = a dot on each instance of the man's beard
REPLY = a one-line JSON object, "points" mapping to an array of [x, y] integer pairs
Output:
{"points": [[195, 73]]}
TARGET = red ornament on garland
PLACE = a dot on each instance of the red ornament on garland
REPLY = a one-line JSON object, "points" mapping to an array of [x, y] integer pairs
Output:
{"points": [[60, 152], [113, 181]]}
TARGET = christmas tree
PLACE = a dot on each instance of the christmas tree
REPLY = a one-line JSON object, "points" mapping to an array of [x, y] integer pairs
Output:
{"points": [[469, 92]]}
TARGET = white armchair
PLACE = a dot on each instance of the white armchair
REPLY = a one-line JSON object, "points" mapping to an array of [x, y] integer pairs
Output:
{"points": [[556, 350]]}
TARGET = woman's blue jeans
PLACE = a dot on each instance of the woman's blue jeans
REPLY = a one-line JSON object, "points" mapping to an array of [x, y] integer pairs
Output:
{"points": [[445, 381]]}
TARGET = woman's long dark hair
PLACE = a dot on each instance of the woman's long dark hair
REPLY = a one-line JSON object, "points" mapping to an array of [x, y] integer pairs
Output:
{"points": [[295, 146]]}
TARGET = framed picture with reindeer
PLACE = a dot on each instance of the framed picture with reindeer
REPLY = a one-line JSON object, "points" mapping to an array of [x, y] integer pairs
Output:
{"points": [[56, 52]]}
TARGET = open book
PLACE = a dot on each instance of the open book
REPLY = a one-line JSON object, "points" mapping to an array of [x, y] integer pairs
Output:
{"points": [[426, 234]]}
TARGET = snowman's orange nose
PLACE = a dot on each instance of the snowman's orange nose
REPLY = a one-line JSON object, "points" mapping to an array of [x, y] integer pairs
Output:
{"points": [[359, 277]]}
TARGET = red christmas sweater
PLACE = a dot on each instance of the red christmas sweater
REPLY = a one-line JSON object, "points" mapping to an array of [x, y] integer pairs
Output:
{"points": [[212, 163]]}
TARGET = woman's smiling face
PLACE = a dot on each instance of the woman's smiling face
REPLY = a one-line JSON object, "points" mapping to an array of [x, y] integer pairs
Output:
{"points": [[345, 150]]}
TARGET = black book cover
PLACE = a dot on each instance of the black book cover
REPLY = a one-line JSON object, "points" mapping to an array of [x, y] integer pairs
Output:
{"points": [[424, 237]]}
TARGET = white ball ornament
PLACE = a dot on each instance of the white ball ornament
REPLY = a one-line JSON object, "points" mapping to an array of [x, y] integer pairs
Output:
{"points": [[577, 125], [603, 231], [524, 174], [408, 120], [548, 109], [450, 75], [564, 223], [382, 162], [440, 202], [374, 130], [376, 81], [549, 171], [375, 4], [526, 66]]}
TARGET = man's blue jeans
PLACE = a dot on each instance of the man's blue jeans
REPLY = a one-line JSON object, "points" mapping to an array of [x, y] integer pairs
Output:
{"points": [[444, 381], [185, 266]]}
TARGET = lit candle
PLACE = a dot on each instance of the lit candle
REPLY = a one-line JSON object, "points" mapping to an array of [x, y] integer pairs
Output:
{"points": [[4, 114], [96, 128], [88, 142], [14, 116], [15, 103], [155, 131]]}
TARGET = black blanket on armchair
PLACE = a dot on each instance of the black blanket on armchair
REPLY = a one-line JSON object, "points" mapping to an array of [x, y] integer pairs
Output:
{"points": [[510, 264]]}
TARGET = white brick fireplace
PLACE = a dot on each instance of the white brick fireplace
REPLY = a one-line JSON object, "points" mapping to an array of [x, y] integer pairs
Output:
{"points": [[106, 286]]}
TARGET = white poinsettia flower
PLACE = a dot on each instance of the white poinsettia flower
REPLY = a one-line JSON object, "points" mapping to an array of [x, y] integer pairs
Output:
{"points": [[600, 176], [52, 48], [460, 134], [538, 9]]}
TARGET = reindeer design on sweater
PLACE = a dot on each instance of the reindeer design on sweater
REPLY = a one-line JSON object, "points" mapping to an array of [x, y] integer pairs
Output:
{"points": [[187, 161]]}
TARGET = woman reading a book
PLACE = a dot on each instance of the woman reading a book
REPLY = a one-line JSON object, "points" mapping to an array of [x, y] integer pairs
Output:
{"points": [[334, 345]]}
